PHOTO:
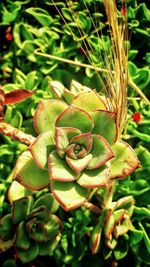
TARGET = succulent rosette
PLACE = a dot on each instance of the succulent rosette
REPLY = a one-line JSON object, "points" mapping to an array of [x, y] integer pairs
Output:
{"points": [[77, 147], [113, 223], [31, 228]]}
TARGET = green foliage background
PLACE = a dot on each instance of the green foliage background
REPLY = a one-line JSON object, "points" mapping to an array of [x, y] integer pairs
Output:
{"points": [[29, 25]]}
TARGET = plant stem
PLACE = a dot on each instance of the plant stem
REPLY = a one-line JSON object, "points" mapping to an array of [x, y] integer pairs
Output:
{"points": [[15, 134], [108, 193]]}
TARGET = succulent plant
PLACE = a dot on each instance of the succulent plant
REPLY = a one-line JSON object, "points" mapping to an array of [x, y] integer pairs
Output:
{"points": [[31, 228], [77, 148], [113, 223]]}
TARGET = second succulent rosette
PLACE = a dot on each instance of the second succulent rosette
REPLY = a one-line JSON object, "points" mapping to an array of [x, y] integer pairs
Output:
{"points": [[77, 147]]}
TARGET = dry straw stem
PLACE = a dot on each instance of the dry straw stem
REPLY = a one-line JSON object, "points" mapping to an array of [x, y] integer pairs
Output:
{"points": [[115, 71]]}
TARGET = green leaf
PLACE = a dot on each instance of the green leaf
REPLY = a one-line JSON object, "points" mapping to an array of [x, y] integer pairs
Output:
{"points": [[57, 89], [29, 254], [17, 191], [89, 101], [67, 13], [48, 201], [122, 228], [109, 226], [40, 214], [105, 125], [145, 237], [78, 165], [135, 236], [47, 248], [59, 170], [141, 213], [7, 228], [125, 160], [28, 174], [47, 113], [63, 137], [75, 117], [141, 252], [119, 215], [125, 203], [10, 263], [101, 152], [21, 209], [41, 148], [121, 250], [95, 239], [68, 96], [69, 194], [95, 178], [22, 240], [41, 231], [77, 88], [41, 15]]}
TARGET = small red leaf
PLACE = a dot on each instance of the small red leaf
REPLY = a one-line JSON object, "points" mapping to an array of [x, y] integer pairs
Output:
{"points": [[17, 96]]}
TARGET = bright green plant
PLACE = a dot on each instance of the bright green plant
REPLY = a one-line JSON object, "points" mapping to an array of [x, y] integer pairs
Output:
{"points": [[31, 228], [113, 223], [77, 147]]}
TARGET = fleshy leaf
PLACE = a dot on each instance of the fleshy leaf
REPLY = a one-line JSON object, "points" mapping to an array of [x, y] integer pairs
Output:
{"points": [[36, 230], [17, 96], [21, 209], [135, 236], [57, 89], [47, 248], [59, 170], [83, 139], [41, 148], [6, 228], [122, 229], [101, 152], [63, 136], [119, 215], [49, 201], [89, 101], [77, 118], [68, 96], [95, 238], [22, 239], [47, 113], [27, 255], [95, 178], [77, 88], [41, 213], [78, 165], [28, 174], [70, 195], [125, 160], [70, 151], [108, 227], [105, 124], [17, 191]]}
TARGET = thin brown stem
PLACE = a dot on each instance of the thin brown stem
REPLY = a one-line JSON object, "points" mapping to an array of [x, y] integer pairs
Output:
{"points": [[15, 134]]}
